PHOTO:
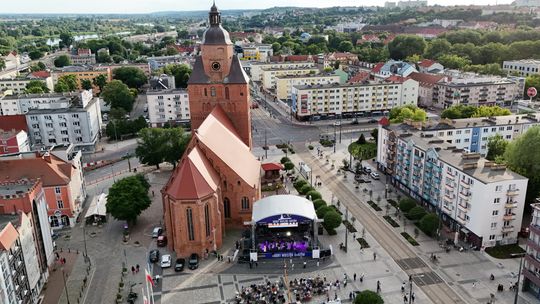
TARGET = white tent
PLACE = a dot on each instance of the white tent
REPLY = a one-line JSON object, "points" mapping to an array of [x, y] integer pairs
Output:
{"points": [[283, 204], [97, 209]]}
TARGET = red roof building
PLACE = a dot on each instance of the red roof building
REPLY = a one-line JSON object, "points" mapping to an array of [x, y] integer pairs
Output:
{"points": [[13, 141], [359, 77], [13, 122], [384, 121], [40, 74], [377, 68]]}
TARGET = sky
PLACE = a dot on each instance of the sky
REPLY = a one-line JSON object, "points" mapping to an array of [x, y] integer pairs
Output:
{"points": [[148, 6]]}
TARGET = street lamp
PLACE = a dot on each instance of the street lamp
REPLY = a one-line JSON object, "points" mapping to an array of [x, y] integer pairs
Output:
{"points": [[65, 286], [519, 274]]}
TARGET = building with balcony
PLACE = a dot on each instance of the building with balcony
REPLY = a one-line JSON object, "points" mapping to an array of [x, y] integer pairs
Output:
{"points": [[83, 73], [17, 85], [284, 84], [167, 106], [83, 57], [480, 202], [531, 267], [352, 99], [256, 68], [13, 141], [269, 76], [524, 67]]}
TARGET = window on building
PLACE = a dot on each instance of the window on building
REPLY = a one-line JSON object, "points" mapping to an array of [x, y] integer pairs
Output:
{"points": [[245, 203], [205, 92], [492, 237], [495, 212], [57, 190], [227, 207], [493, 225], [60, 204], [213, 92], [226, 93], [496, 200], [498, 188], [207, 220], [190, 228]]}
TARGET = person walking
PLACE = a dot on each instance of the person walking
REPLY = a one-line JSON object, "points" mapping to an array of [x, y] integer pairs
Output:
{"points": [[132, 269], [405, 299], [137, 268], [403, 287], [412, 297], [374, 256], [354, 276], [362, 278], [378, 286]]}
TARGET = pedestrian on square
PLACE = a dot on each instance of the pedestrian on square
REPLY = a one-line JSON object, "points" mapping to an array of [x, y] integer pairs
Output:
{"points": [[64, 261], [153, 193], [137, 268], [132, 269], [362, 278], [405, 299], [374, 256], [345, 284], [403, 287], [412, 297], [378, 286], [354, 276]]}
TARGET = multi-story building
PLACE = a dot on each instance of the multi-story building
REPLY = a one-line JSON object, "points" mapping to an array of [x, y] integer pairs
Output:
{"points": [[145, 67], [158, 62], [353, 99], [269, 76], [477, 91], [83, 73], [472, 134], [167, 106], [430, 66], [531, 267], [393, 67], [480, 201], [412, 4], [284, 84], [257, 52], [21, 104], [17, 85], [62, 182], [426, 83], [256, 68], [79, 123], [13, 141], [83, 57], [330, 59], [524, 67]]}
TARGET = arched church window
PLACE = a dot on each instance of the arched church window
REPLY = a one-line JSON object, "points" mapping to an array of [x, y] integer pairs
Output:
{"points": [[190, 228], [226, 93], [227, 207], [205, 92], [213, 92]]}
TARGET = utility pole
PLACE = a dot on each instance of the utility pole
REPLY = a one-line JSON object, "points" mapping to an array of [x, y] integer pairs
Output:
{"points": [[65, 286], [265, 145], [335, 138], [346, 229], [84, 239], [519, 275], [340, 127]]}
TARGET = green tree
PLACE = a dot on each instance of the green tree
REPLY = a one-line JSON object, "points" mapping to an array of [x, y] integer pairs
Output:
{"points": [[404, 46], [522, 156], [86, 84], [128, 198], [436, 48], [181, 73], [35, 54], [36, 87], [375, 134], [288, 166], [496, 147], [345, 46], [318, 203], [66, 83], [103, 57], [66, 39], [454, 61], [314, 195], [117, 95], [368, 297], [62, 61], [40, 66], [321, 211], [533, 81], [429, 224], [406, 204], [133, 77], [458, 111], [332, 220], [150, 146], [416, 213], [399, 114], [2, 64], [176, 142], [489, 111], [285, 159], [100, 81], [305, 189], [61, 87], [361, 140]]}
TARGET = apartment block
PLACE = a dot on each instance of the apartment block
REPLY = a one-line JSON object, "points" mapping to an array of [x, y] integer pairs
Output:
{"points": [[480, 202], [83, 73], [284, 84], [79, 123], [21, 104], [352, 99], [13, 141], [472, 134], [523, 67], [477, 91], [158, 62], [15, 86], [256, 68], [531, 267], [269, 76], [83, 57], [167, 106]]}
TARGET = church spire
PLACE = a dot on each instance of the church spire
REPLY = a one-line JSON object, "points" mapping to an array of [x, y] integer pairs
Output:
{"points": [[214, 15]]}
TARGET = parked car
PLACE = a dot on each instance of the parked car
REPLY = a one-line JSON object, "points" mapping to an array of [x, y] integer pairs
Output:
{"points": [[367, 169], [165, 261], [157, 232], [375, 175], [179, 265], [193, 262], [373, 120], [162, 241], [154, 256], [358, 178], [337, 123]]}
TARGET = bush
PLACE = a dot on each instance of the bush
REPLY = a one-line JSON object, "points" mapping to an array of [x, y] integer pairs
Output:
{"points": [[368, 297], [409, 239], [336, 209], [310, 147], [391, 221], [429, 223], [416, 213], [305, 189], [406, 204], [326, 143], [374, 206], [321, 212], [363, 243], [318, 203], [349, 226], [284, 160], [299, 183], [392, 202], [332, 220], [315, 195], [288, 166]]}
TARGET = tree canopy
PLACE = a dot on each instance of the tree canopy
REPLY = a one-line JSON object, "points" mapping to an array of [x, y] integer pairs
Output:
{"points": [[368, 297], [36, 87], [181, 73], [496, 147], [128, 198], [62, 61], [404, 46], [466, 111], [159, 145], [66, 83], [117, 95], [133, 77], [399, 114]]}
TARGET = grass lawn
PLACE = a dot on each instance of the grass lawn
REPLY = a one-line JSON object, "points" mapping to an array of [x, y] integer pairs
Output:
{"points": [[504, 251]]}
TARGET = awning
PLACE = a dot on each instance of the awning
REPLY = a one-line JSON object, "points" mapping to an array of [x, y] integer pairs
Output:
{"points": [[98, 206], [282, 207]]}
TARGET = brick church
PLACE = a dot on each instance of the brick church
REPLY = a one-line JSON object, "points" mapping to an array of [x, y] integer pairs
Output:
{"points": [[218, 178]]}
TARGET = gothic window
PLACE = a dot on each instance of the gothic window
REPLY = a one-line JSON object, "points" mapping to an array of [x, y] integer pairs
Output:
{"points": [[207, 220], [225, 185], [245, 203], [227, 207], [227, 93], [191, 232], [205, 92], [213, 92]]}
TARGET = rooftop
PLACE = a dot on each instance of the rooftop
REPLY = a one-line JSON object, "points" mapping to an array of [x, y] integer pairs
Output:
{"points": [[524, 61], [285, 62], [13, 122], [307, 76], [166, 91], [290, 68], [488, 121], [16, 188], [345, 85]]}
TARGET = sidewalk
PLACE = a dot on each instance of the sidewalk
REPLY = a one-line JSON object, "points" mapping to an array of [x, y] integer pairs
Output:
{"points": [[54, 288]]}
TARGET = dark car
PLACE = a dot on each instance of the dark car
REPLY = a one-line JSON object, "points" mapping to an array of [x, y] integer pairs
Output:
{"points": [[179, 265], [373, 120], [154, 256], [193, 262]]}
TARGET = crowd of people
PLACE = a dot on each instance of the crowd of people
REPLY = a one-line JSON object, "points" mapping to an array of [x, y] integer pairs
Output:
{"points": [[277, 246], [304, 289], [269, 293]]}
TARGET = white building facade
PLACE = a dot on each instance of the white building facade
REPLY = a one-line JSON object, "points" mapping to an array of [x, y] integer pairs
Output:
{"points": [[18, 85], [167, 106], [523, 67], [480, 202], [256, 68], [284, 84]]}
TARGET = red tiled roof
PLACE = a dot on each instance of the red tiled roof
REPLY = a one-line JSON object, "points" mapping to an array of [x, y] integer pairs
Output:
{"points": [[16, 122], [183, 49], [359, 77], [426, 63], [384, 121], [272, 166], [8, 236], [396, 78], [294, 58], [377, 68], [41, 74], [423, 78], [50, 169]]}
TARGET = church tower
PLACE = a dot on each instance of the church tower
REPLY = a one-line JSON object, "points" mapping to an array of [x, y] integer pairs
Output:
{"points": [[219, 80]]}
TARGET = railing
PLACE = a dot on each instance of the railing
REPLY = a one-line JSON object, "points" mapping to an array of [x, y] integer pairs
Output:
{"points": [[512, 192]]}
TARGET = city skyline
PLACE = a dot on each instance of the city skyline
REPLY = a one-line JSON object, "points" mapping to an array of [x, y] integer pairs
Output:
{"points": [[121, 6]]}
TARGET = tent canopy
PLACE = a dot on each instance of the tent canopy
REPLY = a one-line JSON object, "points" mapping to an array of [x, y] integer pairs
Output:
{"points": [[97, 207], [278, 205]]}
